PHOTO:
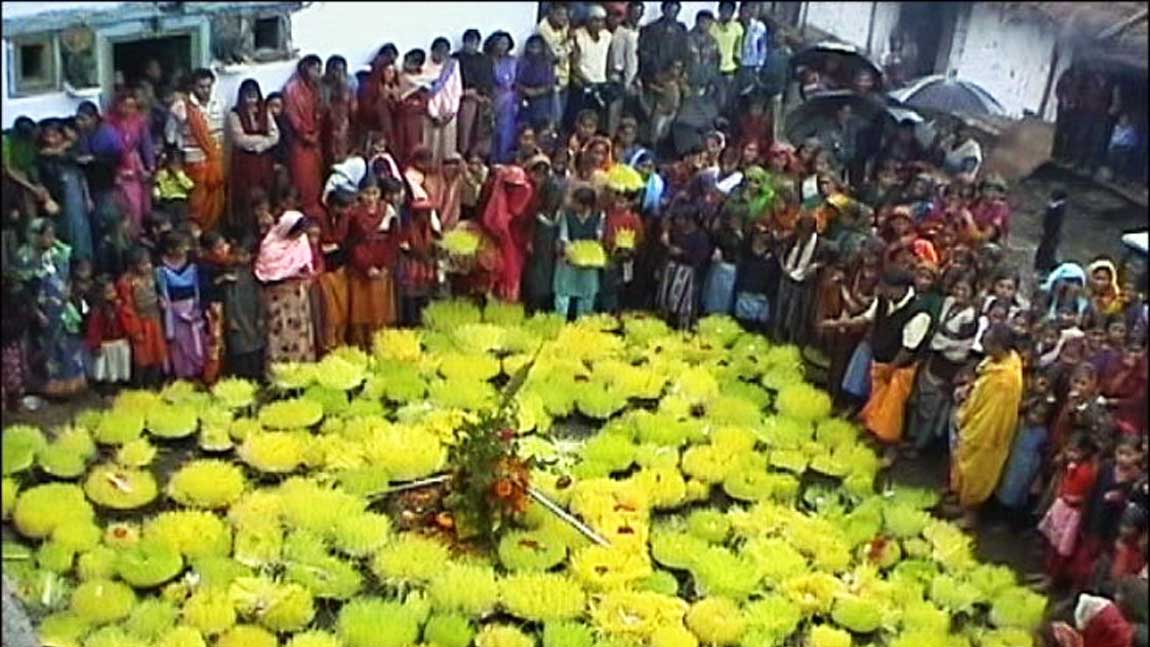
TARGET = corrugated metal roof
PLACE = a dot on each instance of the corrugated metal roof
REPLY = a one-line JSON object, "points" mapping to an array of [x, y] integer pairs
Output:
{"points": [[38, 17]]}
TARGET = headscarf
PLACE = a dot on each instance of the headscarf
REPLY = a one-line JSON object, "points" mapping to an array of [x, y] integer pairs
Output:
{"points": [[600, 139], [282, 257], [1063, 274], [1113, 291], [924, 251], [782, 149], [345, 176], [510, 196], [1101, 622], [761, 201], [653, 192]]}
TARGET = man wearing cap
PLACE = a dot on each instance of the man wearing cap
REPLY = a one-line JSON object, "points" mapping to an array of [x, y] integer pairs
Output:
{"points": [[899, 324], [590, 49], [555, 32]]}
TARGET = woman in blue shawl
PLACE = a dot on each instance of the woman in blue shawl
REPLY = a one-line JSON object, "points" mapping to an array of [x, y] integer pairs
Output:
{"points": [[651, 197], [652, 254], [43, 264], [1064, 287]]}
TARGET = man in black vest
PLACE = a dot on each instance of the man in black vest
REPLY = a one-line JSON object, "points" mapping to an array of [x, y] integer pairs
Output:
{"points": [[900, 326]]}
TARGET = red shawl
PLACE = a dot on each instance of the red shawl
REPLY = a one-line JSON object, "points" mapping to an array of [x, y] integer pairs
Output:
{"points": [[505, 218], [1108, 628]]}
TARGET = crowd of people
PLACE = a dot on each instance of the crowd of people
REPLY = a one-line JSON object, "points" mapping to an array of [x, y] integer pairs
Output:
{"points": [[173, 238], [1099, 124]]}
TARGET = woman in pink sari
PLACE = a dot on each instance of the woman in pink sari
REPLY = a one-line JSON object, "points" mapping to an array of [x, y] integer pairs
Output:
{"points": [[138, 161], [506, 219]]}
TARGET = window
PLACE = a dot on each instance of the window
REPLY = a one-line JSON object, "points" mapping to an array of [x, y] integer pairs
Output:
{"points": [[34, 67], [269, 33]]}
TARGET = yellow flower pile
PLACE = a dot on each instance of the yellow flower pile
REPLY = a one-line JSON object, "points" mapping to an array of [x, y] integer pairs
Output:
{"points": [[280, 507]]}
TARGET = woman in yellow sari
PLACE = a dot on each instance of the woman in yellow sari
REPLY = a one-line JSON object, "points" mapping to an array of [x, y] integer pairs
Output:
{"points": [[985, 422]]}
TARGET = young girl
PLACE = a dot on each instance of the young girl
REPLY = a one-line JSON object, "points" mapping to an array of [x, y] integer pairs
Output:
{"points": [[332, 283], [371, 279], [688, 250], [418, 271], [929, 405], [579, 284], [756, 280], [215, 264], [1062, 522], [1124, 388], [1105, 295], [141, 303], [1026, 456], [719, 286], [475, 175], [246, 329], [107, 338], [178, 281], [43, 264], [1103, 509], [172, 186], [622, 239]]}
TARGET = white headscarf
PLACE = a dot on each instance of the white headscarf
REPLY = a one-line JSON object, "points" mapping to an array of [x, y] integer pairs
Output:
{"points": [[345, 176]]}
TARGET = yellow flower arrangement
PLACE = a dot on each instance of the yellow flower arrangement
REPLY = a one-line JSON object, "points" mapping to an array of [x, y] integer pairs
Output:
{"points": [[716, 621], [542, 597], [636, 614]]}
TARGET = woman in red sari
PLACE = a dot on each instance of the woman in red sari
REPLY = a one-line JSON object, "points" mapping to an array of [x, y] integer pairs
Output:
{"points": [[254, 134], [338, 112], [506, 219], [411, 109], [376, 97], [305, 157]]}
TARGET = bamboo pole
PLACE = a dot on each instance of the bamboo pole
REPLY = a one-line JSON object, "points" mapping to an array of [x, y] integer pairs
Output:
{"points": [[567, 517]]}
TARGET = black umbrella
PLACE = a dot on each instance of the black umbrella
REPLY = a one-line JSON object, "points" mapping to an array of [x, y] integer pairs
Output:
{"points": [[818, 112], [949, 95], [852, 59]]}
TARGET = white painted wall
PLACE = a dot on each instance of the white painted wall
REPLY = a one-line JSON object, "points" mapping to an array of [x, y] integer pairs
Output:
{"points": [[848, 21], [1011, 59], [353, 30]]}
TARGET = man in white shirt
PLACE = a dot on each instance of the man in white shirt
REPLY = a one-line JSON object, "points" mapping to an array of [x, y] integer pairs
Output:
{"points": [[624, 62], [899, 327], [590, 49]]}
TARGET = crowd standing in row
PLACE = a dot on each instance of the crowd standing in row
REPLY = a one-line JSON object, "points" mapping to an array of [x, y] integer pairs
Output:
{"points": [[171, 237]]}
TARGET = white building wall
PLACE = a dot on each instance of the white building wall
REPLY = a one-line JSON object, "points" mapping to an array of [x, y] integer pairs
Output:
{"points": [[885, 21], [848, 21], [353, 30], [1009, 58]]}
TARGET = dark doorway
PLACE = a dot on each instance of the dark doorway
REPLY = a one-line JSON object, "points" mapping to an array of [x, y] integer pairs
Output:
{"points": [[173, 52], [922, 26]]}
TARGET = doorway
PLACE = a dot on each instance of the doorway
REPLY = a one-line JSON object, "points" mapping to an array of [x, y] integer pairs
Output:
{"points": [[922, 26], [174, 54]]}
